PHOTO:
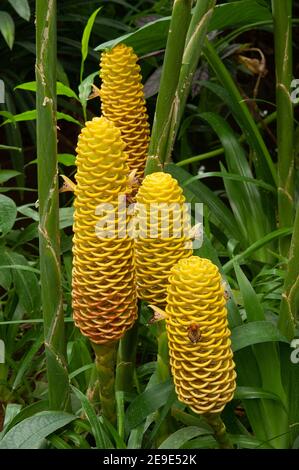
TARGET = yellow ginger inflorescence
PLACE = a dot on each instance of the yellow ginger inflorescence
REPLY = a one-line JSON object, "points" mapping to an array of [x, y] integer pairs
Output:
{"points": [[123, 103], [104, 290], [163, 234], [198, 336]]}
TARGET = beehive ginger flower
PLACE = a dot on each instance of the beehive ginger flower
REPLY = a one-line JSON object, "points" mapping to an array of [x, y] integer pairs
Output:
{"points": [[200, 352], [163, 234], [123, 102], [103, 283]]}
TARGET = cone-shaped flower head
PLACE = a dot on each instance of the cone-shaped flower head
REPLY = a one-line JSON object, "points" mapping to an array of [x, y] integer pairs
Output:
{"points": [[163, 234], [104, 291], [123, 102], [198, 336]]}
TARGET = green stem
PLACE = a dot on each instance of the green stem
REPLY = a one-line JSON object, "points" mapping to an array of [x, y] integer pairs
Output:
{"points": [[105, 363], [163, 372], [196, 34], [51, 284], [282, 16], [166, 101], [218, 426], [289, 307], [126, 360]]}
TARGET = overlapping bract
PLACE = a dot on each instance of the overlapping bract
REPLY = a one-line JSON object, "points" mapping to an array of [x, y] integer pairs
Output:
{"points": [[104, 291], [164, 234], [200, 349], [123, 102]]}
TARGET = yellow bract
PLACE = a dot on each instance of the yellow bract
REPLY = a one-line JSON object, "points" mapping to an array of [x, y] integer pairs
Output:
{"points": [[159, 209], [199, 346], [123, 102], [104, 291]]}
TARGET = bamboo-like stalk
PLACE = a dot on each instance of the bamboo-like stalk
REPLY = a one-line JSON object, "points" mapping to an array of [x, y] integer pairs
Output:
{"points": [[282, 16], [194, 41], [105, 364], [167, 101], [51, 285], [289, 307], [219, 429]]}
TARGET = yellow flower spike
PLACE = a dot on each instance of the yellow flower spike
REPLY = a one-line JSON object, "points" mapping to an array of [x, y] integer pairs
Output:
{"points": [[104, 290], [155, 250], [123, 102], [201, 358]]}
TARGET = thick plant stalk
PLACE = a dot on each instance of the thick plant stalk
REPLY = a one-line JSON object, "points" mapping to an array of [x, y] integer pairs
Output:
{"points": [[123, 103], [219, 429], [105, 364], [282, 16], [289, 307], [197, 30], [52, 302], [201, 358], [167, 99]]}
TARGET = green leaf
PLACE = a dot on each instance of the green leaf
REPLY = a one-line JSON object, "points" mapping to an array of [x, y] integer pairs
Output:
{"points": [[26, 361], [67, 117], [29, 212], [8, 214], [150, 37], [31, 116], [30, 433], [7, 28], [21, 117], [66, 159], [146, 403], [153, 36], [22, 8], [255, 333], [101, 438], [253, 307], [245, 198], [10, 147], [251, 393], [85, 88], [11, 411], [281, 232], [249, 442], [227, 15], [26, 283], [182, 436], [204, 442], [5, 274], [27, 412], [6, 175], [61, 89], [198, 192], [85, 39], [66, 215], [231, 95]]}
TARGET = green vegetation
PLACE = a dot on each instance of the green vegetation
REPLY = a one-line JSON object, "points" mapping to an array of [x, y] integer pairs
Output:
{"points": [[229, 136]]}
